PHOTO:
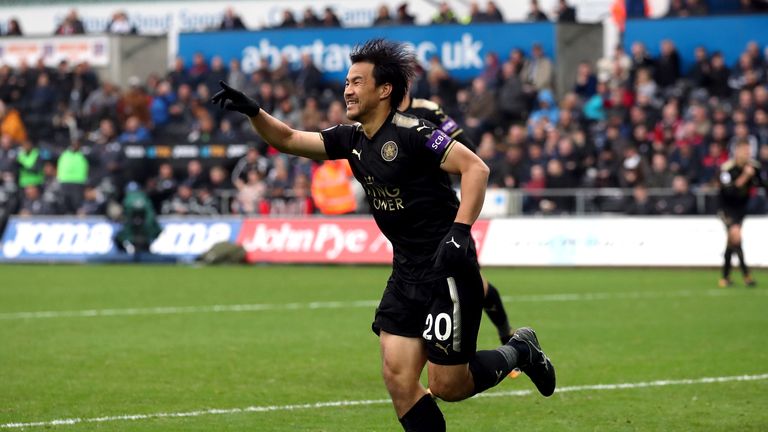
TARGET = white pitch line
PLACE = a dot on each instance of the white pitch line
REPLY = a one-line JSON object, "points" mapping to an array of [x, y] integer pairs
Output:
{"points": [[366, 402], [260, 307]]}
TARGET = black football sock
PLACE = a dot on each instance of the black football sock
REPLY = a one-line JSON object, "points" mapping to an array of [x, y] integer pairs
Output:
{"points": [[424, 416], [491, 366], [494, 308], [742, 263], [727, 262]]}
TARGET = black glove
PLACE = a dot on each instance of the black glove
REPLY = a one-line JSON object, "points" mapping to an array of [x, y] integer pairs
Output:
{"points": [[453, 250], [235, 100]]}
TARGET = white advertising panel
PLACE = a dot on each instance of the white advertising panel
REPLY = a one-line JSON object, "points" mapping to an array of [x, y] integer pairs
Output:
{"points": [[618, 241]]}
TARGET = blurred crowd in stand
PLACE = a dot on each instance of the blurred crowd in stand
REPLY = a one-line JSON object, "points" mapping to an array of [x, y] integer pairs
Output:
{"points": [[630, 120]]}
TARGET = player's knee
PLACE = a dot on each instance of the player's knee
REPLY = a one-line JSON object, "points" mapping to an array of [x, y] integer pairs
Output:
{"points": [[448, 389]]}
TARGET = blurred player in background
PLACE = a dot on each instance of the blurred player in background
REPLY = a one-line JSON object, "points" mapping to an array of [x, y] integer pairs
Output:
{"points": [[738, 177], [432, 112], [430, 311]]}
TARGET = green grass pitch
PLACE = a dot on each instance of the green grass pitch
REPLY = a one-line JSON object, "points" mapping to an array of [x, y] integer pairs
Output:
{"points": [[304, 338]]}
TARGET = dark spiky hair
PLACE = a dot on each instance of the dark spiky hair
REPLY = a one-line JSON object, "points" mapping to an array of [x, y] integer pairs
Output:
{"points": [[392, 63]]}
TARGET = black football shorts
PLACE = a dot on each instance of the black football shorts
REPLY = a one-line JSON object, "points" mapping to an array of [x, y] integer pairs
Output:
{"points": [[732, 216], [444, 312]]}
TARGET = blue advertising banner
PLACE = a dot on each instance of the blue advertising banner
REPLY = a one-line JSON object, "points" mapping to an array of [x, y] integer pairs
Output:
{"points": [[461, 48], [727, 34], [63, 239]]}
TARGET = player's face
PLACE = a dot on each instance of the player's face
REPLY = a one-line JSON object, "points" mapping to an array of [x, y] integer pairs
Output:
{"points": [[361, 94], [741, 154]]}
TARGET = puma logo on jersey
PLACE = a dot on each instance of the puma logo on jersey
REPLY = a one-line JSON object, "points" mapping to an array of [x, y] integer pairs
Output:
{"points": [[452, 241], [418, 129], [442, 348], [358, 153]]}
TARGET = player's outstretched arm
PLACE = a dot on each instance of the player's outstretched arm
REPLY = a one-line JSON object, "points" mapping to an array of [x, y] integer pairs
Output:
{"points": [[474, 180], [275, 133]]}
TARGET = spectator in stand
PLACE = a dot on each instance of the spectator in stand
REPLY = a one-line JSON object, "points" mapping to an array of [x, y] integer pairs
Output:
{"points": [[745, 74], [535, 14], [641, 203], [8, 159], [512, 97], [682, 202], [252, 161], [308, 79], [218, 179], [493, 13], [135, 103], [761, 127], [717, 83], [514, 169], [250, 194], [402, 16], [226, 133], [710, 164], [183, 202], [699, 73], [309, 19], [120, 24], [198, 72], [13, 28], [660, 176], [539, 70], [218, 72], [565, 13], [196, 177], [32, 203], [11, 123], [236, 76], [162, 101], [162, 187], [491, 73], [134, 132], [382, 17], [488, 152], [71, 25], [207, 204], [106, 158], [330, 19], [289, 21], [586, 81], [178, 75], [640, 60], [547, 110], [617, 66], [231, 21], [445, 14], [667, 65], [311, 117], [72, 174], [94, 202], [481, 110]]}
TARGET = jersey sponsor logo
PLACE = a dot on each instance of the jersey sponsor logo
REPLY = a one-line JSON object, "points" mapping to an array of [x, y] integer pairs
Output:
{"points": [[389, 151], [438, 142], [449, 126]]}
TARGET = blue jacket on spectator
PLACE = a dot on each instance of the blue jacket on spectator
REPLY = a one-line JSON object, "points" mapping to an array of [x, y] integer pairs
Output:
{"points": [[547, 108]]}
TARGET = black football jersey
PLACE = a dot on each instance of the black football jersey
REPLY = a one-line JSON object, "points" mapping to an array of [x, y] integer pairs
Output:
{"points": [[732, 196], [432, 112], [409, 194]]}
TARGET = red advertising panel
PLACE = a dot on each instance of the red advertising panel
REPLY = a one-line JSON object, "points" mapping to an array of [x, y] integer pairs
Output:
{"points": [[321, 240]]}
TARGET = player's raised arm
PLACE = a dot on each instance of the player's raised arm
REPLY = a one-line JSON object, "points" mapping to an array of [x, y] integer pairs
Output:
{"points": [[474, 180], [275, 133]]}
